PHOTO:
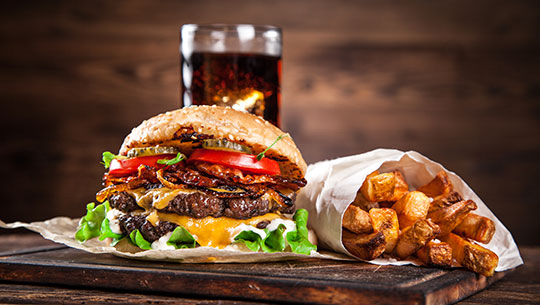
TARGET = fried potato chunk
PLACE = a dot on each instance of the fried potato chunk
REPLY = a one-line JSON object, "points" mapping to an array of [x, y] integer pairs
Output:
{"points": [[440, 185], [411, 208], [415, 237], [444, 201], [357, 220], [472, 256], [435, 254], [386, 221], [384, 187], [476, 227], [449, 217], [364, 246], [361, 202]]}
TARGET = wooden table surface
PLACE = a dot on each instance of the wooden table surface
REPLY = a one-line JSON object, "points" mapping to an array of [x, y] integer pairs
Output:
{"points": [[519, 287]]}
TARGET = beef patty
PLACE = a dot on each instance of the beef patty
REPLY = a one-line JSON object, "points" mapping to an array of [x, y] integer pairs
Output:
{"points": [[200, 205], [129, 223]]}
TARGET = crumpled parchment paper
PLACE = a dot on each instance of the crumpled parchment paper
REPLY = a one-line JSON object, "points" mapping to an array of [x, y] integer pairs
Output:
{"points": [[333, 184]]}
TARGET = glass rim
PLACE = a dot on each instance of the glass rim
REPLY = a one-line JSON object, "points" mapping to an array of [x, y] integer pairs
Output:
{"points": [[227, 27]]}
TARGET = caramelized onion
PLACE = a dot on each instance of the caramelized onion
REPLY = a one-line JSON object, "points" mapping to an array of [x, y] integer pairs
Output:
{"points": [[167, 183], [108, 191], [283, 201]]}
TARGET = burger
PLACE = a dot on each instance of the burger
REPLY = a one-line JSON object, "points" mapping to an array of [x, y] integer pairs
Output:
{"points": [[202, 176]]}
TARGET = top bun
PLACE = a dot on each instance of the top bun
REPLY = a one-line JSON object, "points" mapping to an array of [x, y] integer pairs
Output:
{"points": [[174, 127]]}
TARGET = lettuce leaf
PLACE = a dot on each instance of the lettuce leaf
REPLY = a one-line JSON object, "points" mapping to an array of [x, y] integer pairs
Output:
{"points": [[274, 241], [107, 157], [179, 157], [106, 232], [137, 239], [96, 224], [90, 224], [298, 240], [251, 239], [181, 239]]}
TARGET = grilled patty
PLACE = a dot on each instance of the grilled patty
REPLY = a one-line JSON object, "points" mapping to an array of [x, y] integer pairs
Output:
{"points": [[200, 205], [129, 223]]}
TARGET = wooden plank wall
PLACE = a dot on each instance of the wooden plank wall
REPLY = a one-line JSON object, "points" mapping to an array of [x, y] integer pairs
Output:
{"points": [[456, 80]]}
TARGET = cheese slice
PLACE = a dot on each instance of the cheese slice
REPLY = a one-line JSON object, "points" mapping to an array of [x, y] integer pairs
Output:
{"points": [[210, 231], [153, 218]]}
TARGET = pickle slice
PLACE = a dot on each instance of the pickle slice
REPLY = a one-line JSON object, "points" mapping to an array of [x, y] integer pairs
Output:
{"points": [[223, 144], [152, 150]]}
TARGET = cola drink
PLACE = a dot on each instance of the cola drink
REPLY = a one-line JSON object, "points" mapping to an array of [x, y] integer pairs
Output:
{"points": [[244, 81]]}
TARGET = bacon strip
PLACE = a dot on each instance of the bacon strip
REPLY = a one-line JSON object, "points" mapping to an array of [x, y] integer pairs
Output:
{"points": [[237, 176]]}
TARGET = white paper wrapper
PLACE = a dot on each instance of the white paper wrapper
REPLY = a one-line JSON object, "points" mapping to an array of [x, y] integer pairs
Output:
{"points": [[332, 186], [62, 230]]}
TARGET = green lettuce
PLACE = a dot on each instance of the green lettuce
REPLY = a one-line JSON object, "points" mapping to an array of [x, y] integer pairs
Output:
{"points": [[251, 239], [181, 239], [106, 232], [179, 157], [90, 224], [96, 224], [137, 239], [298, 240], [274, 241], [107, 158]]}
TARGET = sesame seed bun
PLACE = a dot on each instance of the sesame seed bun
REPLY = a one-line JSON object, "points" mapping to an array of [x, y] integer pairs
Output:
{"points": [[174, 127]]}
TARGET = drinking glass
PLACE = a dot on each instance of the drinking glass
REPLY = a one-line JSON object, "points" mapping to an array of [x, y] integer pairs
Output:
{"points": [[235, 65]]}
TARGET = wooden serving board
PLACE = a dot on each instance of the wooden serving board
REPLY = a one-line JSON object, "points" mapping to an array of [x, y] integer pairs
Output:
{"points": [[306, 281]]}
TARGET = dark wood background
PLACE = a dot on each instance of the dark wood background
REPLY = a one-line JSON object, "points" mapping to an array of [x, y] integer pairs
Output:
{"points": [[458, 81]]}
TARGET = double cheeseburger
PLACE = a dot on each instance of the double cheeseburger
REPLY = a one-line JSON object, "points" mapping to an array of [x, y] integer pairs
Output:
{"points": [[202, 176]]}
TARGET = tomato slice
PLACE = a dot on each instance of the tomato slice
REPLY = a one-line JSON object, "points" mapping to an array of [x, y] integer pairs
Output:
{"points": [[124, 167], [238, 160]]}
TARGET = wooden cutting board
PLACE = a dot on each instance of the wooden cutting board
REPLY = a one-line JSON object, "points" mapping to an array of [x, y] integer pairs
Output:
{"points": [[306, 281]]}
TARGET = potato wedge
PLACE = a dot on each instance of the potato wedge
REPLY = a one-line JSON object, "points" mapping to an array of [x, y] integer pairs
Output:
{"points": [[357, 220], [411, 208], [449, 217], [384, 187], [361, 202], [440, 185], [444, 201], [367, 187], [472, 256], [386, 221], [364, 246], [415, 237], [476, 227], [436, 254]]}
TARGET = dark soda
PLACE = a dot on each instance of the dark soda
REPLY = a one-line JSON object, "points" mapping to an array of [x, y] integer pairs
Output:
{"points": [[249, 82]]}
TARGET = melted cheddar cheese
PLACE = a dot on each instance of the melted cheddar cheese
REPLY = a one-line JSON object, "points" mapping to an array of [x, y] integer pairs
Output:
{"points": [[210, 231]]}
